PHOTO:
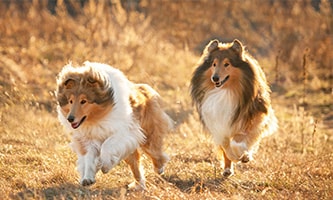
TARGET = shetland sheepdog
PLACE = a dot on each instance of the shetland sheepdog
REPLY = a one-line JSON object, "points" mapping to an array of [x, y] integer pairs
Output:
{"points": [[110, 118], [230, 92]]}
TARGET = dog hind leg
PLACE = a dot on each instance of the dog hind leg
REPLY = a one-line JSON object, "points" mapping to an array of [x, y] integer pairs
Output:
{"points": [[158, 157], [156, 130], [134, 162], [156, 124]]}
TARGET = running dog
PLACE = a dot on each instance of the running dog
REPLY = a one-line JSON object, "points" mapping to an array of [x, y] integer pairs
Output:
{"points": [[110, 118], [230, 92]]}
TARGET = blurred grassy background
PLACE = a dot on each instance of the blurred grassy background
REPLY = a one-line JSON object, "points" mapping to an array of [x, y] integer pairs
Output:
{"points": [[159, 42]]}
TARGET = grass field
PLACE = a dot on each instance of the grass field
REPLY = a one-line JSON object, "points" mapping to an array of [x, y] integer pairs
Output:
{"points": [[159, 43]]}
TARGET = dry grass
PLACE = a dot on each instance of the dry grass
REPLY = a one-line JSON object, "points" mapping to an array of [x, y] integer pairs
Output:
{"points": [[159, 42]]}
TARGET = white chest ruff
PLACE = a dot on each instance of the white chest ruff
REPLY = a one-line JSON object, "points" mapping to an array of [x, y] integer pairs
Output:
{"points": [[112, 124], [217, 111]]}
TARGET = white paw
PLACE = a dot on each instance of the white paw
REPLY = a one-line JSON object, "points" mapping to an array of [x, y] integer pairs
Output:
{"points": [[87, 181], [137, 186], [160, 171], [108, 164], [238, 148], [246, 157], [228, 172], [105, 169]]}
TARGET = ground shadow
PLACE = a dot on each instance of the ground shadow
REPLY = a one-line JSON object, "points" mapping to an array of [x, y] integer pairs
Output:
{"points": [[68, 191], [196, 185]]}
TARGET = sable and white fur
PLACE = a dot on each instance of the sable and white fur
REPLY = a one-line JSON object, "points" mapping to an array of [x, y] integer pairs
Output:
{"points": [[232, 98], [110, 118]]}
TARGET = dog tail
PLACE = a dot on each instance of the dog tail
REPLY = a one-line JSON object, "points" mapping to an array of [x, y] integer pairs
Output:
{"points": [[171, 122]]}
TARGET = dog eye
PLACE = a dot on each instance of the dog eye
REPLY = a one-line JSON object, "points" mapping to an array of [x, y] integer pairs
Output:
{"points": [[70, 101], [226, 64], [83, 101], [214, 64]]}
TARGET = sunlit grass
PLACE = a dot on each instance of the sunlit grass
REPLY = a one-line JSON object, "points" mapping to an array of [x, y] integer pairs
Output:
{"points": [[295, 163]]}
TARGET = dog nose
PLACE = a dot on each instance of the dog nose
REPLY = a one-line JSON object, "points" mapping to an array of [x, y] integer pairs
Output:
{"points": [[71, 118], [215, 78]]}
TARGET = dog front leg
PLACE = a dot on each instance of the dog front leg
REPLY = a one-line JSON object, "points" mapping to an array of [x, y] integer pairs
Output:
{"points": [[240, 149], [87, 166], [116, 148], [227, 164], [243, 145], [228, 152]]}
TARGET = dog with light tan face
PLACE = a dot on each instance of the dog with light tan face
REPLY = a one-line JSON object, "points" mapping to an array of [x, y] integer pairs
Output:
{"points": [[110, 118]]}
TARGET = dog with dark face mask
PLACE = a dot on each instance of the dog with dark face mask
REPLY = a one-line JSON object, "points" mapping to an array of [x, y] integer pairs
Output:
{"points": [[230, 92]]}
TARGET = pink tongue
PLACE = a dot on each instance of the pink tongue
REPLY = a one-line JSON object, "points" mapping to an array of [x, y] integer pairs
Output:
{"points": [[75, 125]]}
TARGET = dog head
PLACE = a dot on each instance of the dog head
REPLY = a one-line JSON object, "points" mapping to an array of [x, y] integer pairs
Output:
{"points": [[226, 62], [83, 94]]}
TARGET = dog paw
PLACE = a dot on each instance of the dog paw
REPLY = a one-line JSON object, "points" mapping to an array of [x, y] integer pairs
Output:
{"points": [[245, 158], [106, 168], [107, 165], [137, 186], [160, 171], [87, 182], [228, 172], [159, 167], [238, 149]]}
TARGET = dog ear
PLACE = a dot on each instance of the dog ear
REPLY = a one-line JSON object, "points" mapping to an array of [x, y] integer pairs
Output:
{"points": [[212, 45], [237, 47], [69, 83]]}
